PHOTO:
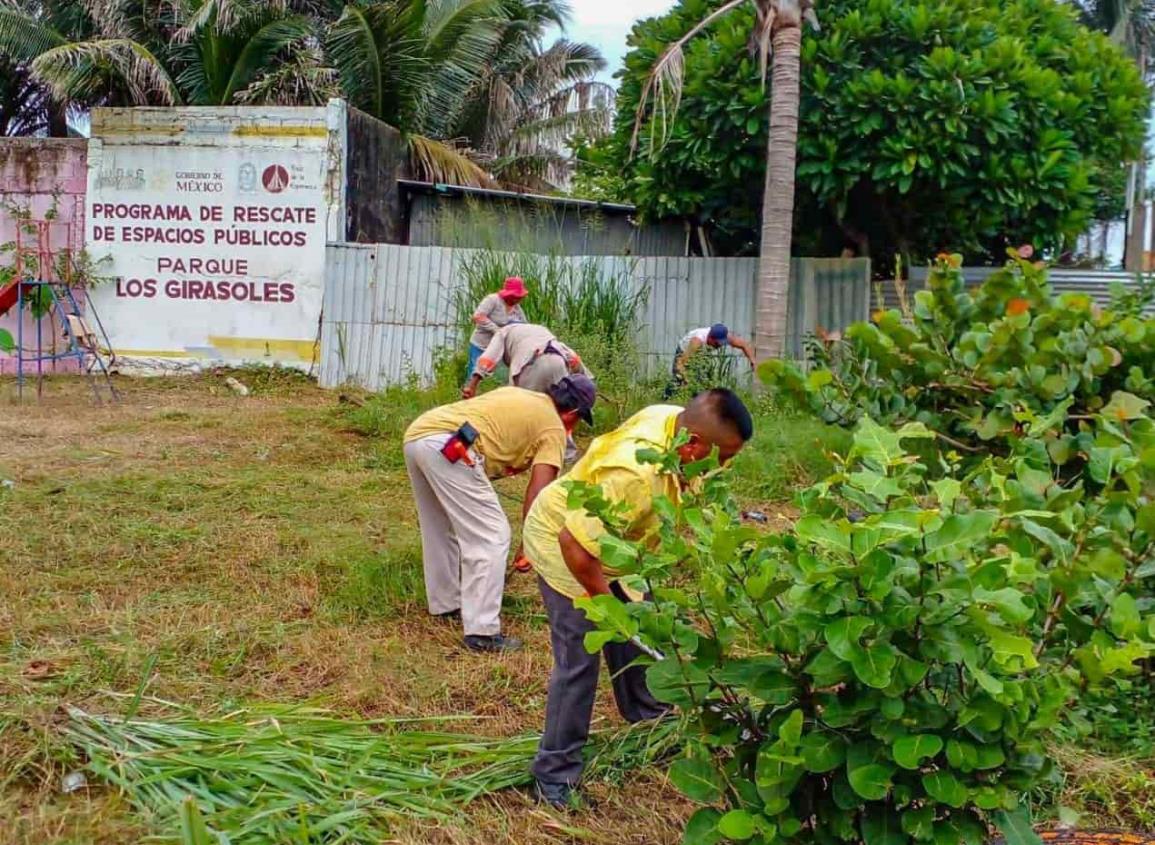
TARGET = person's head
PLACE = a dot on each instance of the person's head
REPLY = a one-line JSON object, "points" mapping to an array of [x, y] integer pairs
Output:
{"points": [[715, 418], [513, 291], [574, 397], [719, 336]]}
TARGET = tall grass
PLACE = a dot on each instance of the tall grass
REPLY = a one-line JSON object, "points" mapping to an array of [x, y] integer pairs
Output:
{"points": [[572, 296]]}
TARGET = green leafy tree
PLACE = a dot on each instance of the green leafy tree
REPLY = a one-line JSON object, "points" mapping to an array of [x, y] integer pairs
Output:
{"points": [[955, 125], [889, 671]]}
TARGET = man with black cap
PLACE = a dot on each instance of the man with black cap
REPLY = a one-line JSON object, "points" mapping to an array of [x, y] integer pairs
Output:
{"points": [[708, 337], [451, 453]]}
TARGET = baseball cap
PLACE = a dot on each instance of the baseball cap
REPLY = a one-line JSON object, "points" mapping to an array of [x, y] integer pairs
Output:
{"points": [[514, 287], [719, 333], [584, 393]]}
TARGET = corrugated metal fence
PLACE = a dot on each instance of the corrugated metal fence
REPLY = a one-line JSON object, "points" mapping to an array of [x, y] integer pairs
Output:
{"points": [[389, 309], [1095, 283]]}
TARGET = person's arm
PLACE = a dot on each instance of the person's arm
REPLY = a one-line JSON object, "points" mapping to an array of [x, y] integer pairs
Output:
{"points": [[586, 568], [687, 353], [540, 477], [483, 317], [486, 364], [747, 350]]}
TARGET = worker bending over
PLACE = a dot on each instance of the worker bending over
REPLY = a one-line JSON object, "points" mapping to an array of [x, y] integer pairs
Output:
{"points": [[536, 359], [711, 337], [493, 313], [451, 454], [563, 544]]}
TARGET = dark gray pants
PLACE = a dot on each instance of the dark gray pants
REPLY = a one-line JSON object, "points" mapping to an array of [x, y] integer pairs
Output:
{"points": [[573, 686]]}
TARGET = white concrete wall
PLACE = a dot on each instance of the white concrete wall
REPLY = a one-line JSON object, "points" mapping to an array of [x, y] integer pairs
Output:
{"points": [[211, 224]]}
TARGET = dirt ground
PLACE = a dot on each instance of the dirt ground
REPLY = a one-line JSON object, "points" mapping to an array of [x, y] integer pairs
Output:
{"points": [[256, 550]]}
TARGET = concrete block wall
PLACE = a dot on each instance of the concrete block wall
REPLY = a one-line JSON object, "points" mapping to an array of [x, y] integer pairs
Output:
{"points": [[40, 178]]}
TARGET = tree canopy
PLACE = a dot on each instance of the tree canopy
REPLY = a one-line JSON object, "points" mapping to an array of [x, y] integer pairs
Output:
{"points": [[474, 84], [925, 125]]}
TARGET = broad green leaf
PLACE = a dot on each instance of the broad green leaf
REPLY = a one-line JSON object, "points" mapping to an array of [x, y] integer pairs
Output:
{"points": [[697, 779], [1010, 603], [1016, 827], [876, 444], [1124, 617], [910, 751], [824, 533], [962, 755], [959, 533], [595, 641], [738, 825], [989, 757], [1124, 407], [1012, 652], [945, 788], [702, 828], [919, 823], [947, 490], [823, 751], [677, 683], [872, 781], [790, 731], [843, 635], [1122, 659], [874, 664], [876, 485]]}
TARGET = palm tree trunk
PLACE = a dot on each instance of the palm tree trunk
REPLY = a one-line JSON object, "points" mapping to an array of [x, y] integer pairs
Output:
{"points": [[778, 197]]}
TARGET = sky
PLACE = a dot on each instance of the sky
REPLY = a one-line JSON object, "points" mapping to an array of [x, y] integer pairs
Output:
{"points": [[606, 23]]}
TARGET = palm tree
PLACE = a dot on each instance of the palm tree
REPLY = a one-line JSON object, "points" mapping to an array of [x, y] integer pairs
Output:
{"points": [[469, 84], [189, 52], [776, 39]]}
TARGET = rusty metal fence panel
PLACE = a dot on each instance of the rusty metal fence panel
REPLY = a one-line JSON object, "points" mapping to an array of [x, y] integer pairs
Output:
{"points": [[388, 310]]}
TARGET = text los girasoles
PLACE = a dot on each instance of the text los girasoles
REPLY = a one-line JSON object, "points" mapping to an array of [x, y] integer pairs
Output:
{"points": [[212, 278]]}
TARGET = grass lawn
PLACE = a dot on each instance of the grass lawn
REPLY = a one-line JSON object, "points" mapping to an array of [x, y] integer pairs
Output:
{"points": [[221, 550]]}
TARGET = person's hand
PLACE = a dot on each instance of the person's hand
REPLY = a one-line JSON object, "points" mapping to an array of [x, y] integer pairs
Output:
{"points": [[468, 392], [575, 364]]}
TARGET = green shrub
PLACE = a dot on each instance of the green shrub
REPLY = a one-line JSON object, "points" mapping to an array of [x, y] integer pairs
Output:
{"points": [[889, 671]]}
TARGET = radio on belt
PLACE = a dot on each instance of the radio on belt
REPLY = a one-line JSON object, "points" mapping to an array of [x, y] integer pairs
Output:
{"points": [[457, 447]]}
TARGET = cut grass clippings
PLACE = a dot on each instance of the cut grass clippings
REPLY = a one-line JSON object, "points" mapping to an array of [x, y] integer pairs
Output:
{"points": [[273, 775]]}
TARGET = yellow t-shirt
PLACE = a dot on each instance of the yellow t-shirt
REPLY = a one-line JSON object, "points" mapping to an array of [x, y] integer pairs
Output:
{"points": [[516, 429], [611, 463]]}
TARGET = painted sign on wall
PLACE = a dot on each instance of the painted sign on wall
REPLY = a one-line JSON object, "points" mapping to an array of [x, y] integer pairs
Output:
{"points": [[211, 225]]}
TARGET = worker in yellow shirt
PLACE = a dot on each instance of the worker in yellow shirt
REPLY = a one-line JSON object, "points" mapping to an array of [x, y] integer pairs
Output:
{"points": [[563, 544], [451, 454]]}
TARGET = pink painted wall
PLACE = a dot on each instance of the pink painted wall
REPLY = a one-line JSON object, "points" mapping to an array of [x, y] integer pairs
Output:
{"points": [[41, 175]]}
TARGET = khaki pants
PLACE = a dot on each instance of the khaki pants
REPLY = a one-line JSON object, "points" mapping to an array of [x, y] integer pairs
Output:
{"points": [[465, 535], [542, 373]]}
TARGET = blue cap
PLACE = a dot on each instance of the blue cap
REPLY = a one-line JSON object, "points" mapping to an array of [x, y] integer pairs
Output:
{"points": [[719, 333]]}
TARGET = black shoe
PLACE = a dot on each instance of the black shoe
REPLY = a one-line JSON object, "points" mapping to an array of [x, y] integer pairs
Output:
{"points": [[451, 616], [496, 643], [560, 796]]}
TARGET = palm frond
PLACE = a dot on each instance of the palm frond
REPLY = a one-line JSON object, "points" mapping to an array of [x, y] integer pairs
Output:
{"points": [[302, 80], [664, 83], [79, 71], [436, 161], [354, 48], [23, 37], [266, 43]]}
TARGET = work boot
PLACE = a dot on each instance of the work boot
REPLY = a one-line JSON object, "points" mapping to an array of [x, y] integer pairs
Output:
{"points": [[495, 644], [560, 796]]}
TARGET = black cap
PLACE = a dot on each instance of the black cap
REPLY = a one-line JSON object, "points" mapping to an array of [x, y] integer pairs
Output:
{"points": [[584, 393]]}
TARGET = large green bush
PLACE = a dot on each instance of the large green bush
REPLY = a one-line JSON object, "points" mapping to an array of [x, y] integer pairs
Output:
{"points": [[1006, 368], [889, 671], [924, 124]]}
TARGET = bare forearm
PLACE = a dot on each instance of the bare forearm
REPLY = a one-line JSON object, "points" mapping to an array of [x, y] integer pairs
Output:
{"points": [[540, 477], [586, 568]]}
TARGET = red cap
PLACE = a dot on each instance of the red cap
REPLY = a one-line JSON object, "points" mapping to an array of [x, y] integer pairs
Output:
{"points": [[514, 288]]}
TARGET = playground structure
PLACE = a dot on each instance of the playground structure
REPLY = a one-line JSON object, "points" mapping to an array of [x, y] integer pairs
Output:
{"points": [[45, 283]]}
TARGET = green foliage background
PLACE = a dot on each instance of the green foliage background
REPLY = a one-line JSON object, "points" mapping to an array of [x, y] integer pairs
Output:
{"points": [[924, 125]]}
